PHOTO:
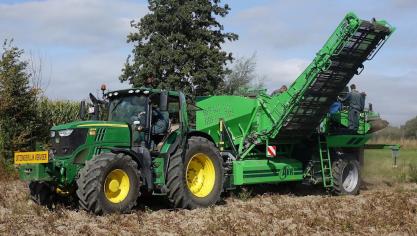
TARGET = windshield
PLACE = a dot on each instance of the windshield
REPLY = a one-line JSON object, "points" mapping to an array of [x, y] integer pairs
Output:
{"points": [[126, 109]]}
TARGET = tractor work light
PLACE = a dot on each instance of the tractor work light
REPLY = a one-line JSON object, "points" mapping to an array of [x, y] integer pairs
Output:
{"points": [[65, 132], [52, 134]]}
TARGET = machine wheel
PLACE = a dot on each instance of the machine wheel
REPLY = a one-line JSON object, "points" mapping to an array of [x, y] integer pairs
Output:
{"points": [[361, 155], [195, 180], [41, 193], [346, 176], [109, 183]]}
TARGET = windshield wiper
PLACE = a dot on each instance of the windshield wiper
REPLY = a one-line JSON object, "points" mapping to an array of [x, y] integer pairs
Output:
{"points": [[118, 103]]}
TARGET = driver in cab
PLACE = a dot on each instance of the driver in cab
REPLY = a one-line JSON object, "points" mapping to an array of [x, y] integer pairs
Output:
{"points": [[160, 120]]}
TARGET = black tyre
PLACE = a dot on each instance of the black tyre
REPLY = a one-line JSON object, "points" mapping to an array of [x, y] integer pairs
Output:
{"points": [[361, 156], [109, 183], [195, 180], [41, 193], [346, 176]]}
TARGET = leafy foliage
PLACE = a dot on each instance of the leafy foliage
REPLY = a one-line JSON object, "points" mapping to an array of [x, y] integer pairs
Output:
{"points": [[406, 131], [17, 113], [7, 170], [242, 78], [50, 113], [25, 116], [178, 46], [410, 128]]}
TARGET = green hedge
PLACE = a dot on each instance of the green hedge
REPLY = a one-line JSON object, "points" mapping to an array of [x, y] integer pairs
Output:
{"points": [[48, 113], [54, 112]]}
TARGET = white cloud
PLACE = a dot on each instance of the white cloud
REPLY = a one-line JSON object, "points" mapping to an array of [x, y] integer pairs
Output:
{"points": [[281, 71], [85, 73], [83, 41], [77, 23], [278, 35], [393, 96]]}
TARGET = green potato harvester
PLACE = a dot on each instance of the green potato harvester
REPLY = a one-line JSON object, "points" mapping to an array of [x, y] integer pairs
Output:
{"points": [[157, 142]]}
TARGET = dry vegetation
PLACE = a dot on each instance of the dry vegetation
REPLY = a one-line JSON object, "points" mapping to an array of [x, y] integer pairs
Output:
{"points": [[7, 172], [383, 207], [405, 143]]}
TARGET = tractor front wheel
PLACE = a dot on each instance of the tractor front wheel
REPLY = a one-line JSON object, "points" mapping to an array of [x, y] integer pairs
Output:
{"points": [[195, 179], [109, 183], [41, 193]]}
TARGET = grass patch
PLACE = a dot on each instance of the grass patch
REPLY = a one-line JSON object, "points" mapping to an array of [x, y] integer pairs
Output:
{"points": [[379, 166], [412, 170]]}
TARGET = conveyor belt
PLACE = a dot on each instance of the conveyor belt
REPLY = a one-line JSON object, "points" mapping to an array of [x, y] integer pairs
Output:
{"points": [[304, 118]]}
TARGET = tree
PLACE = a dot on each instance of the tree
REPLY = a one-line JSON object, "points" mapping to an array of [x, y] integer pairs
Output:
{"points": [[17, 99], [410, 128], [178, 47], [242, 77]]}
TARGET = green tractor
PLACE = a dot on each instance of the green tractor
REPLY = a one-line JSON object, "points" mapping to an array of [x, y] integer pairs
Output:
{"points": [[152, 141]]}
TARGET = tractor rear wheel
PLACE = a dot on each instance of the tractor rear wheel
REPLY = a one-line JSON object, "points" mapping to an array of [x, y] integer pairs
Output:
{"points": [[195, 180], [346, 176], [109, 183]]}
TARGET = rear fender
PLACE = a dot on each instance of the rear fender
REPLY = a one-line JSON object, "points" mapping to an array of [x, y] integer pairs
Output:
{"points": [[200, 134]]}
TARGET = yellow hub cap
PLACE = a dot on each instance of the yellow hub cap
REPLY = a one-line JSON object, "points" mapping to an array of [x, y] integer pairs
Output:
{"points": [[200, 175], [116, 186]]}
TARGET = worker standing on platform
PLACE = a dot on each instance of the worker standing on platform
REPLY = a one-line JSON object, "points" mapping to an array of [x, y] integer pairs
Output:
{"points": [[356, 105]]}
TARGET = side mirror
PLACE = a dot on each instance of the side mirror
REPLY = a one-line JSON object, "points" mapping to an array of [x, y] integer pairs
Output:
{"points": [[93, 99], [82, 110]]}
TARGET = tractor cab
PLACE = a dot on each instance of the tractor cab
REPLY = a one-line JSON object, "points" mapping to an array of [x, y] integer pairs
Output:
{"points": [[151, 114], [146, 114]]}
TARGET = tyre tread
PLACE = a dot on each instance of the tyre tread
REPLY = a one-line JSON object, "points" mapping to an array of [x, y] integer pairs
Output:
{"points": [[89, 182], [177, 194]]}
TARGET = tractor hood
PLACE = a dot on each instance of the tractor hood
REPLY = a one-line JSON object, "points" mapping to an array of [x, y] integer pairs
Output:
{"points": [[89, 124]]}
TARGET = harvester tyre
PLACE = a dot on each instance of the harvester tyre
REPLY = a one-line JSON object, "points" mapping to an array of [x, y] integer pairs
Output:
{"points": [[109, 183], [346, 176], [196, 178]]}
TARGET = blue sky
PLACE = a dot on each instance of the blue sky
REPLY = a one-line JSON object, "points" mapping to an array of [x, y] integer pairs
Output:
{"points": [[82, 43]]}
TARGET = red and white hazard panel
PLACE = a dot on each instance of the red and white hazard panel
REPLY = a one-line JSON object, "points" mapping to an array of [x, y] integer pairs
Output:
{"points": [[271, 151]]}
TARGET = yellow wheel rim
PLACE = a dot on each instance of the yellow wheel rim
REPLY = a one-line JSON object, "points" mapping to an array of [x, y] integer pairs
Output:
{"points": [[200, 175], [116, 186]]}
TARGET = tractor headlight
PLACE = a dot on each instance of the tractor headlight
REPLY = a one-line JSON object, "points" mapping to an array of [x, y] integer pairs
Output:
{"points": [[65, 132], [52, 134]]}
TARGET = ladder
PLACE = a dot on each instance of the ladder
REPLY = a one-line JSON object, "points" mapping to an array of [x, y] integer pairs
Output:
{"points": [[326, 165]]}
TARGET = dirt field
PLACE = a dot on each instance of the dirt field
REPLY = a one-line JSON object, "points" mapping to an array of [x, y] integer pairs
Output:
{"points": [[378, 210], [387, 205]]}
